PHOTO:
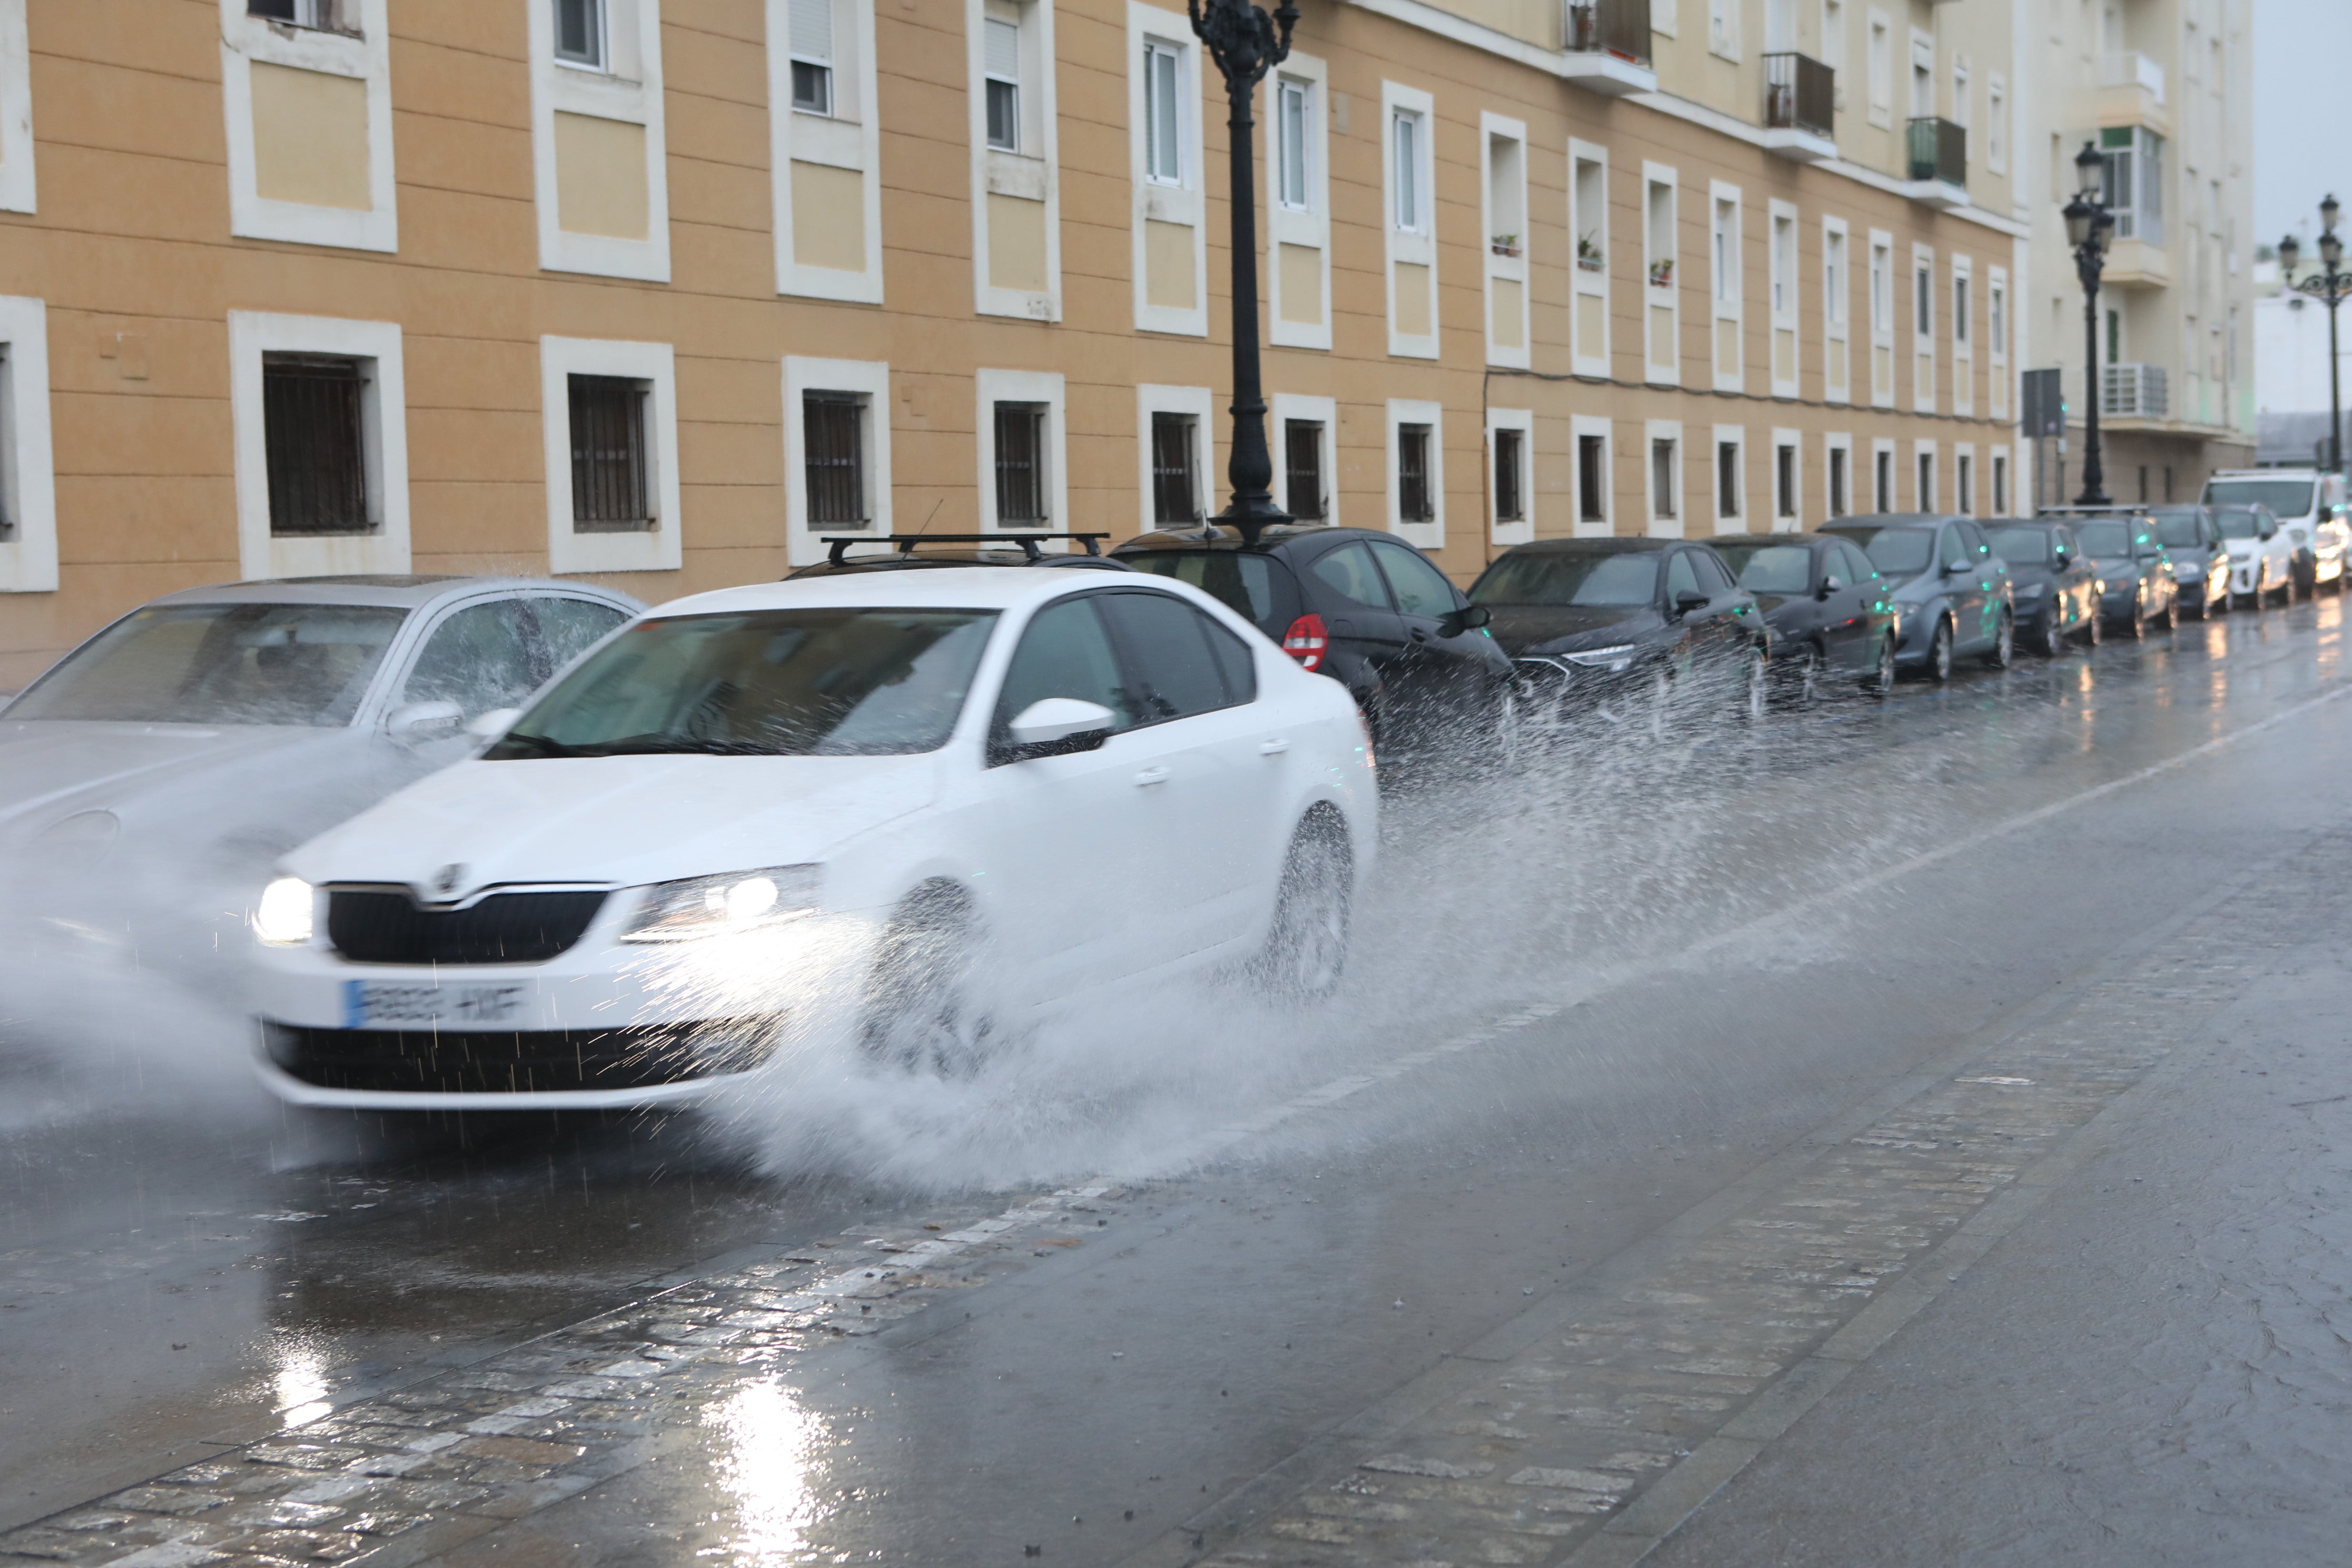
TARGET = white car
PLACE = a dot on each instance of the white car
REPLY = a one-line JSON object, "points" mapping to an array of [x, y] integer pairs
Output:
{"points": [[2262, 555], [941, 803], [2310, 507]]}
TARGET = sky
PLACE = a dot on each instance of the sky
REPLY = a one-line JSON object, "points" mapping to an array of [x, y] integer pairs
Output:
{"points": [[2303, 58]]}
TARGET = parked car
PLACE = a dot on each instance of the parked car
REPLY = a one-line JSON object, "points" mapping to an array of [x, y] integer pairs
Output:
{"points": [[924, 551], [2135, 581], [1951, 594], [946, 802], [1826, 605], [1599, 624], [1361, 606], [2311, 508], [2052, 582], [2192, 536], [2262, 557]]}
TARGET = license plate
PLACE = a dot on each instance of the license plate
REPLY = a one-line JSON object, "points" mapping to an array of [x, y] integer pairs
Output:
{"points": [[373, 1003]]}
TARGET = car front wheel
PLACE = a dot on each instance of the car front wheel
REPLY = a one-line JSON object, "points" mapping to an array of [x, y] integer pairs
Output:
{"points": [[1939, 653], [2052, 638], [922, 1013], [1306, 946], [2004, 642], [1881, 679]]}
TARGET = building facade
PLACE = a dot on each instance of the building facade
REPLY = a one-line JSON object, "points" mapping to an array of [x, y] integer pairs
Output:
{"points": [[665, 292], [2161, 88]]}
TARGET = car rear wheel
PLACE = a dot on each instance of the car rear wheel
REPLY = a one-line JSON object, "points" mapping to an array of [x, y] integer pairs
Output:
{"points": [[1880, 682], [2050, 637], [1306, 946], [2004, 642], [921, 1011]]}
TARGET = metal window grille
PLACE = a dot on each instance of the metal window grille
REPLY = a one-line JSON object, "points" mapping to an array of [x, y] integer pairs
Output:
{"points": [[1175, 492], [579, 33], [609, 493], [833, 427], [312, 413], [1020, 463], [1413, 500], [1510, 503], [1302, 465], [1837, 481], [1784, 477], [1726, 478], [1592, 479]]}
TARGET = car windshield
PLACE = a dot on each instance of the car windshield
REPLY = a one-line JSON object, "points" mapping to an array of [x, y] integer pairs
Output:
{"points": [[1895, 551], [2176, 528], [2021, 546], [1245, 583], [2286, 498], [1543, 577], [2238, 524], [1770, 568], [797, 682], [221, 663], [2108, 541]]}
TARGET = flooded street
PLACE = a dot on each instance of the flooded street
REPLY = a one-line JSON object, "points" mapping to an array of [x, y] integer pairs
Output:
{"points": [[1941, 1098]]}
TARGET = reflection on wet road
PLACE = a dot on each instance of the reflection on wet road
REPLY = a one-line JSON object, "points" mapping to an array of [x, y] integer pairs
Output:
{"points": [[839, 1350]]}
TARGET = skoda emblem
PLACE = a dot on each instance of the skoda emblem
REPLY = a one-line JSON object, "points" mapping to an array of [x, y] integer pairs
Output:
{"points": [[447, 880]]}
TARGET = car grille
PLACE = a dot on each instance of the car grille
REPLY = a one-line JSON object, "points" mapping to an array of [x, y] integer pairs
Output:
{"points": [[369, 926], [518, 1061]]}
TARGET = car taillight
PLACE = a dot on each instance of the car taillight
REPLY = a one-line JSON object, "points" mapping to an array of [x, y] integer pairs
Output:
{"points": [[1306, 640]]}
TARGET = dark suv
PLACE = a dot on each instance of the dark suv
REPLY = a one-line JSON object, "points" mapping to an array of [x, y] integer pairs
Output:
{"points": [[1365, 608]]}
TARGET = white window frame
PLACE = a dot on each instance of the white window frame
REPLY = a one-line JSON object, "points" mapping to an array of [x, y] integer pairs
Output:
{"points": [[1310, 225], [557, 87], [1922, 64], [1996, 122], [1580, 426], [1878, 65], [1522, 531], [1402, 411], [1879, 284], [1156, 201], [17, 192], [655, 549], [849, 136], [1417, 245], [1723, 28], [29, 555], [245, 39], [1966, 499], [384, 416], [1883, 445], [1783, 266], [1200, 402], [871, 380], [1588, 358], [1834, 50], [1923, 331], [1667, 372], [1998, 308], [1793, 441], [1727, 282], [1964, 334], [1033, 172], [1923, 498], [1837, 312], [1285, 406], [1961, 82], [1046, 388], [1735, 437], [1491, 128], [1839, 441], [1652, 432]]}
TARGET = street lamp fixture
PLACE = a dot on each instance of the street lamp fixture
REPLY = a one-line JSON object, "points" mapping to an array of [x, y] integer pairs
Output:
{"points": [[2330, 286], [2090, 228], [1245, 43]]}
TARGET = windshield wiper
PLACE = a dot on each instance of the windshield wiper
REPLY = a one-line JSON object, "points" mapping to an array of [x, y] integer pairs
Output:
{"points": [[540, 745], [679, 745]]}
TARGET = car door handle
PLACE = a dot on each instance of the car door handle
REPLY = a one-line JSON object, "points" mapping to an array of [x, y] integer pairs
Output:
{"points": [[1419, 635], [1152, 775], [1273, 748]]}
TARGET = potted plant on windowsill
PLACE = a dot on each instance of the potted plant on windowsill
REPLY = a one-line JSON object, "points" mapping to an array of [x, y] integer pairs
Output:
{"points": [[1505, 245], [1587, 255], [1661, 272]]}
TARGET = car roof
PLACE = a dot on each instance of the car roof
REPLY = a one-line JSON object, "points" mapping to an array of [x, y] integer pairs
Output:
{"points": [[400, 591], [1888, 520], [1620, 544], [2025, 522], [1218, 536], [941, 588]]}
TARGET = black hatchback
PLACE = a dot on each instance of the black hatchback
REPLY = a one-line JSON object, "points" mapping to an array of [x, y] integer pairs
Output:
{"points": [[1366, 609]]}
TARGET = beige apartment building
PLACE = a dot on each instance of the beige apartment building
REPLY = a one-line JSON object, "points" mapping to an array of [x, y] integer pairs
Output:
{"points": [[663, 293]]}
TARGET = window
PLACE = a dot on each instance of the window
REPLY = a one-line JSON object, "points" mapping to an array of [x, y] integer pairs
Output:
{"points": [[1839, 456], [482, 656], [1511, 463], [1997, 318], [1416, 496], [1021, 487], [832, 444], [1592, 478], [1175, 479], [1001, 57], [1302, 468], [1784, 481], [1881, 67], [609, 492], [29, 558], [1065, 651], [1784, 263], [1927, 493], [1833, 34], [1961, 314], [1727, 479], [1406, 128], [1163, 114], [2001, 484], [1882, 480], [312, 415], [1726, 237], [1681, 577], [1722, 29], [1662, 476], [1292, 128], [578, 30], [1959, 94], [1923, 301], [1186, 663], [1964, 481], [2133, 187], [1420, 588], [1662, 358], [322, 16], [1996, 124]]}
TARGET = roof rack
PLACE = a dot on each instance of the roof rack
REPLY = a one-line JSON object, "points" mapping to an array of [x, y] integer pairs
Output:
{"points": [[904, 542]]}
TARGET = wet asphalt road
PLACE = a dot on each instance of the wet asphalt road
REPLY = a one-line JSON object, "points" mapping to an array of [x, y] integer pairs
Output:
{"points": [[184, 1269]]}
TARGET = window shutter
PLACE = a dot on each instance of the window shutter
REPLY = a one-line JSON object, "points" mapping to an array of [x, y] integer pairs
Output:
{"points": [[1002, 50], [811, 23]]}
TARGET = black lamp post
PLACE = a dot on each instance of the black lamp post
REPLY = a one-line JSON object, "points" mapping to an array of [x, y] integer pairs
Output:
{"points": [[2089, 228], [2330, 288], [1245, 43]]}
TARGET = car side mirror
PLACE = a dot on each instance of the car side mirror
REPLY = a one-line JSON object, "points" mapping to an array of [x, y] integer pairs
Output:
{"points": [[1690, 599], [2061, 555], [413, 723], [490, 726], [1956, 566], [1830, 584], [1466, 618], [1055, 727]]}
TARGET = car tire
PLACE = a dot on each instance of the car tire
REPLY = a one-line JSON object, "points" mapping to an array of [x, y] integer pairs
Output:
{"points": [[919, 1013], [1307, 942], [2172, 614], [1880, 682], [2052, 638], [2094, 631], [2003, 652], [1940, 652], [2135, 624], [1800, 680], [2202, 610]]}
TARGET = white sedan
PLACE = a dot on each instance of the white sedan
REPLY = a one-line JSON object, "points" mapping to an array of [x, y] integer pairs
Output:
{"points": [[939, 805], [2262, 556]]}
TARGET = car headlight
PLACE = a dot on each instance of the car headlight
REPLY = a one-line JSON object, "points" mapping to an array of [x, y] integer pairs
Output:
{"points": [[1613, 659], [723, 906], [285, 916], [2101, 585]]}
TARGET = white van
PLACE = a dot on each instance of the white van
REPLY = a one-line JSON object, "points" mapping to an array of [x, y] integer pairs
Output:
{"points": [[2309, 504]]}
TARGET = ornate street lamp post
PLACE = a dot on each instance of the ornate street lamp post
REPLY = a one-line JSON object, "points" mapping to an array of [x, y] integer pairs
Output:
{"points": [[2330, 288], [2089, 228], [1245, 43]]}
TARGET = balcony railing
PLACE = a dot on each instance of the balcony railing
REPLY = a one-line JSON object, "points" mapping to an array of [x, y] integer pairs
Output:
{"points": [[1939, 151], [2133, 391], [1618, 27], [1799, 94], [2132, 69]]}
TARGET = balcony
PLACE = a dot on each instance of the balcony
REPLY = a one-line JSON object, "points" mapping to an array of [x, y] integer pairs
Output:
{"points": [[2133, 391], [1800, 108], [2134, 69], [1608, 47], [1938, 162]]}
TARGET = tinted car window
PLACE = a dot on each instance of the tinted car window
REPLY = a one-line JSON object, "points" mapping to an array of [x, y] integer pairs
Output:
{"points": [[1352, 571], [221, 663], [1897, 552], [1168, 641], [1421, 588], [1712, 577], [571, 626], [1973, 539], [1233, 660], [1243, 583], [2021, 546], [2288, 498], [1854, 565], [1770, 568], [1066, 651], [2181, 530], [2239, 525], [1545, 578], [1680, 577], [479, 657], [2108, 541]]}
